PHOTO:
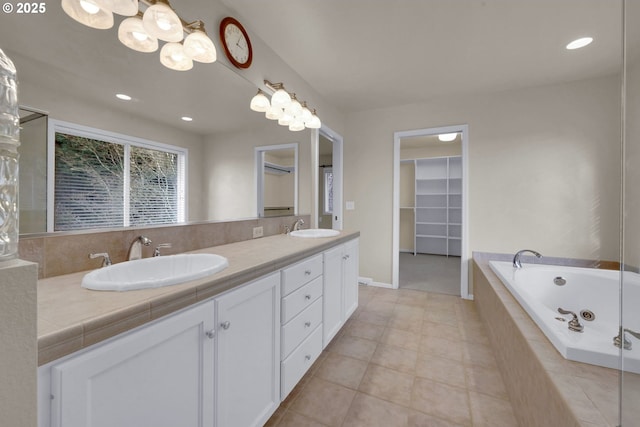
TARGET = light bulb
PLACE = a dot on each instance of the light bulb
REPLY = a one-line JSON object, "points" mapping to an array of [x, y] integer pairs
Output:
{"points": [[274, 113], [172, 56], [313, 122], [280, 98], [161, 22], [89, 7], [200, 47], [260, 102], [296, 125], [132, 34], [285, 119], [92, 13], [294, 108]]}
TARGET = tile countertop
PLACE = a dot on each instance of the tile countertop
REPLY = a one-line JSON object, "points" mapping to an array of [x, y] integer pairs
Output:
{"points": [[71, 318]]}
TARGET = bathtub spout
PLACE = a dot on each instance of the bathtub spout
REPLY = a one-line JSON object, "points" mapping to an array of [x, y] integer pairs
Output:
{"points": [[516, 257]]}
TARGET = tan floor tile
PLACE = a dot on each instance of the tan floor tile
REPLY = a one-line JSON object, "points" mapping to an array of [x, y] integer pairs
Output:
{"points": [[478, 354], [387, 384], [277, 416], [398, 358], [441, 400], [491, 412], [358, 348], [365, 330], [400, 338], [441, 347], [446, 316], [441, 330], [368, 411], [323, 401], [342, 370], [380, 306], [291, 419], [374, 317], [486, 380], [441, 369], [406, 322], [420, 419]]}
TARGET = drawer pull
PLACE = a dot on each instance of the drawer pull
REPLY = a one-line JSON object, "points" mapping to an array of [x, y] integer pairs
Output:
{"points": [[307, 357], [307, 324], [307, 297], [345, 257], [307, 272], [225, 325], [210, 334]]}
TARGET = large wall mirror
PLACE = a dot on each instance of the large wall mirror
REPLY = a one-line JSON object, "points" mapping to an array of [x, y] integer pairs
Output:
{"points": [[72, 73], [277, 180]]}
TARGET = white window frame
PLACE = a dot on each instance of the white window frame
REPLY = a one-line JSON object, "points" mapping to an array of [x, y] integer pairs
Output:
{"points": [[326, 171], [59, 126]]}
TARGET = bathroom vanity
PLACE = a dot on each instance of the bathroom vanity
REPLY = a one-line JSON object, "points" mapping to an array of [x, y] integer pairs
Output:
{"points": [[220, 351]]}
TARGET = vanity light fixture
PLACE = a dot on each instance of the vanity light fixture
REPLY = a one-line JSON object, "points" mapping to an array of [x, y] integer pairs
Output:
{"points": [[579, 43], [92, 13], [285, 108], [132, 34], [260, 102], [123, 96], [447, 137], [142, 30]]}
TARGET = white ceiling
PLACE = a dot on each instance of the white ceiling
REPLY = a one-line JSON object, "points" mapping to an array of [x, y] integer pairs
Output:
{"points": [[358, 54], [363, 54]]}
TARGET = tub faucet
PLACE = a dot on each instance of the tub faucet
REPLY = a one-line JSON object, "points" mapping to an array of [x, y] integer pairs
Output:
{"points": [[296, 225], [135, 250], [516, 257], [621, 340]]}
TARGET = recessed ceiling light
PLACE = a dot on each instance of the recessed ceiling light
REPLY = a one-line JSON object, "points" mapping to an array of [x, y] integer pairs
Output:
{"points": [[582, 42], [187, 119], [447, 137], [123, 97]]}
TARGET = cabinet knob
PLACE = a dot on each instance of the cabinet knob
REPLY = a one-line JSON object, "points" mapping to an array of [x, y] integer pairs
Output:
{"points": [[210, 334], [345, 257], [307, 297], [307, 324], [225, 325], [307, 272], [307, 357]]}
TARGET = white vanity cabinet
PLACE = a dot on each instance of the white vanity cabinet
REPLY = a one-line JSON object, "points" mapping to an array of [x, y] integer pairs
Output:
{"points": [[158, 375], [301, 336], [340, 287], [248, 354]]}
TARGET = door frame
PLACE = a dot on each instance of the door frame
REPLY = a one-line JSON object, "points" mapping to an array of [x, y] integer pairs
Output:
{"points": [[259, 176], [464, 255]]}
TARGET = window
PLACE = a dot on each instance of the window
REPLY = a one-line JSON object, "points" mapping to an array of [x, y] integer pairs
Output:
{"points": [[105, 180]]}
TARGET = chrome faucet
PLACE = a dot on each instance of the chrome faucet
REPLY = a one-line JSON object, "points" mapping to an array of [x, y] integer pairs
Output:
{"points": [[621, 340], [135, 250], [296, 225], [516, 257], [106, 259]]}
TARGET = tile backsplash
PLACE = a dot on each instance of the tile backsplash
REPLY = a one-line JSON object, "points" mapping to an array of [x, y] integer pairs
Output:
{"points": [[65, 253]]}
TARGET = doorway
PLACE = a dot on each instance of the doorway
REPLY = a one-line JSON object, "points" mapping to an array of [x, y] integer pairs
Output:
{"points": [[430, 210], [327, 179]]}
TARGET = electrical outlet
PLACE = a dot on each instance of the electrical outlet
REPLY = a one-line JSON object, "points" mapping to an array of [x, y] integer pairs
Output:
{"points": [[258, 232]]}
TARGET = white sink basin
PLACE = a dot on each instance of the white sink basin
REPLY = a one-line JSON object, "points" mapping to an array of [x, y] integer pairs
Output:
{"points": [[154, 272], [315, 233]]}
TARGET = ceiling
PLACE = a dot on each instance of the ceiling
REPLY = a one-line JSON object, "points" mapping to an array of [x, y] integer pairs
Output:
{"points": [[358, 54], [364, 54]]}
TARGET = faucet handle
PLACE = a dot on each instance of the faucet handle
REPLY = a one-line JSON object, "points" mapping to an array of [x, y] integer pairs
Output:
{"points": [[106, 261], [156, 251], [574, 324]]}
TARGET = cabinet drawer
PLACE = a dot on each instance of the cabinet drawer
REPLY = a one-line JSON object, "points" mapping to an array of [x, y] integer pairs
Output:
{"points": [[297, 275], [295, 366], [298, 328], [300, 299]]}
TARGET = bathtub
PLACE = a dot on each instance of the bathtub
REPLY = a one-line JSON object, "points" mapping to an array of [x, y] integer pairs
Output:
{"points": [[585, 289]]}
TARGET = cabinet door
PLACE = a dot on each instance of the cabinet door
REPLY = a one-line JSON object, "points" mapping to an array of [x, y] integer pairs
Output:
{"points": [[332, 294], [160, 375], [248, 354], [350, 277]]}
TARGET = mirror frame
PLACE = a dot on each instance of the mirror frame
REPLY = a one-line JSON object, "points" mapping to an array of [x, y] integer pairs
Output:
{"points": [[259, 161]]}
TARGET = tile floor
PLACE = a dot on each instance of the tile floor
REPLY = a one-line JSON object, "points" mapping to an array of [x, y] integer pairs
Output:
{"points": [[405, 358]]}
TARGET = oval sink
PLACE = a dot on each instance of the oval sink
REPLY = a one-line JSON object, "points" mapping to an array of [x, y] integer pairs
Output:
{"points": [[315, 232], [154, 272]]}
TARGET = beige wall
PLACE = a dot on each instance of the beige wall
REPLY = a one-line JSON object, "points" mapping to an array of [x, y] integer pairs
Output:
{"points": [[543, 170]]}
